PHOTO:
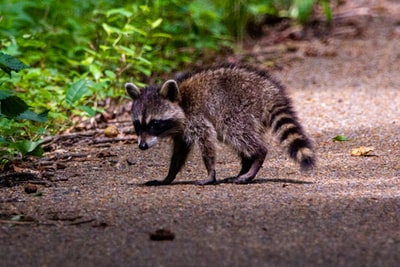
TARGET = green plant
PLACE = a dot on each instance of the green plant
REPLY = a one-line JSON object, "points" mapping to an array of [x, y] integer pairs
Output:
{"points": [[235, 15], [302, 10], [14, 114]]}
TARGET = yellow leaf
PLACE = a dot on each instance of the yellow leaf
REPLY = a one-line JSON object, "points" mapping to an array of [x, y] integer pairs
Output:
{"points": [[362, 151]]}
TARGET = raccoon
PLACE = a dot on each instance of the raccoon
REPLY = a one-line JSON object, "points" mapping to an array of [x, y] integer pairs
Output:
{"points": [[233, 104]]}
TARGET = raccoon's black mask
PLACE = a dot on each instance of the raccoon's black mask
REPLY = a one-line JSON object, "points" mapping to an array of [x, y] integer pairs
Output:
{"points": [[155, 112]]}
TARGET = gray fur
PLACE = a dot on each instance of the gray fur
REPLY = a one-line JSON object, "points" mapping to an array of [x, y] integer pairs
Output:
{"points": [[235, 105]]}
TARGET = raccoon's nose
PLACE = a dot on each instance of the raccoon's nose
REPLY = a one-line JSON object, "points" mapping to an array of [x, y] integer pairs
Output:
{"points": [[143, 146]]}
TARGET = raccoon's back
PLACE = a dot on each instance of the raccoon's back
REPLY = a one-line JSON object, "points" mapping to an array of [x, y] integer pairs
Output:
{"points": [[233, 98], [228, 89]]}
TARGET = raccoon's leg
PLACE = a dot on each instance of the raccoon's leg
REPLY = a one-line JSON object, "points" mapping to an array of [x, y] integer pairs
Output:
{"points": [[180, 152], [246, 164], [252, 152], [209, 161], [207, 143], [250, 167]]}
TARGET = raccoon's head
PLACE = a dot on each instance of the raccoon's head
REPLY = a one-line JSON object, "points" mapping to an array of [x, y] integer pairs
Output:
{"points": [[155, 112]]}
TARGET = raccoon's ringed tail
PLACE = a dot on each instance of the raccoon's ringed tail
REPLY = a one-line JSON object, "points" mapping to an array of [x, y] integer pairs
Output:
{"points": [[290, 134], [306, 158]]}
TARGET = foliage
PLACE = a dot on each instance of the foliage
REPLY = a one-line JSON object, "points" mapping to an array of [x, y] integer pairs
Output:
{"points": [[80, 52], [9, 63], [235, 15], [13, 109], [302, 9]]}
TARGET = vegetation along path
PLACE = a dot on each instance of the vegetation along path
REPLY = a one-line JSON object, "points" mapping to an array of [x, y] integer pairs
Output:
{"points": [[95, 212]]}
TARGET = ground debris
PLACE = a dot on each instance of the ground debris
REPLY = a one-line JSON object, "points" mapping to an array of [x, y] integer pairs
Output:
{"points": [[16, 178], [162, 235], [88, 137], [17, 219], [69, 217], [30, 188]]}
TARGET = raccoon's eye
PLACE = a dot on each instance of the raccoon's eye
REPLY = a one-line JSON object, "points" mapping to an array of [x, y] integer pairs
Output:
{"points": [[154, 124]]}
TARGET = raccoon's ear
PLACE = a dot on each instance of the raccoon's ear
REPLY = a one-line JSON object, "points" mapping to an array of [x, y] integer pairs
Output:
{"points": [[170, 90], [132, 90]]}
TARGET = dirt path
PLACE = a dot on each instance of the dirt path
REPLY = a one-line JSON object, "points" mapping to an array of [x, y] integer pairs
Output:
{"points": [[345, 213]]}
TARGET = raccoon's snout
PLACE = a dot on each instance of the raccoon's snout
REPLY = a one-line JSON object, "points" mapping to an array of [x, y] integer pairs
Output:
{"points": [[146, 143], [143, 146]]}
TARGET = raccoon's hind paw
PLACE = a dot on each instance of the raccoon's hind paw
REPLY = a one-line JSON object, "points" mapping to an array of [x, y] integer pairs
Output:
{"points": [[206, 182], [154, 183], [211, 179], [238, 180]]}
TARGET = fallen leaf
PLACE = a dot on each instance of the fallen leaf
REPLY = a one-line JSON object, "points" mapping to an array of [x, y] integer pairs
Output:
{"points": [[111, 131], [18, 217], [340, 138], [37, 194], [362, 151]]}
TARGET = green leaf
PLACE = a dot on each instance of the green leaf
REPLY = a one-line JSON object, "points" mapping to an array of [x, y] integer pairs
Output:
{"points": [[12, 106], [127, 50], [302, 10], [341, 138], [110, 29], [3, 140], [26, 147], [119, 11], [95, 71], [156, 23], [4, 94], [33, 44], [90, 111], [162, 35], [17, 217], [131, 28], [327, 10], [141, 59], [110, 74], [9, 63], [76, 91], [32, 116]]}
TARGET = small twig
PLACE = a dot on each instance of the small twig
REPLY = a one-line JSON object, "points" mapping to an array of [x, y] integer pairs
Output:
{"points": [[16, 222], [123, 122], [72, 218], [124, 69], [57, 138], [111, 140], [63, 156], [82, 222], [38, 182]]}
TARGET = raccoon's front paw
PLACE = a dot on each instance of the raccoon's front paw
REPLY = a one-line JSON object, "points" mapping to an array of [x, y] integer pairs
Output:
{"points": [[154, 183]]}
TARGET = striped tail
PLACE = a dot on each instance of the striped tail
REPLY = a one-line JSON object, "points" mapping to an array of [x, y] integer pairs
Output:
{"points": [[284, 123]]}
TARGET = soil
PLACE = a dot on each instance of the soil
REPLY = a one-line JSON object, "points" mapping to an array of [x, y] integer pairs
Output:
{"points": [[95, 210]]}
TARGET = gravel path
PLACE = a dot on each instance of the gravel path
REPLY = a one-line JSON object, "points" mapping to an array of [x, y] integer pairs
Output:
{"points": [[345, 213]]}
